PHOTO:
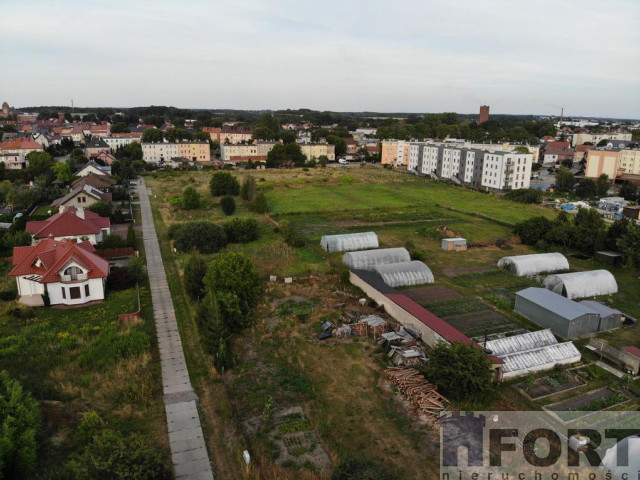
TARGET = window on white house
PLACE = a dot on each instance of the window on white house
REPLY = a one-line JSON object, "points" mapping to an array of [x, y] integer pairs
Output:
{"points": [[86, 291], [74, 293]]}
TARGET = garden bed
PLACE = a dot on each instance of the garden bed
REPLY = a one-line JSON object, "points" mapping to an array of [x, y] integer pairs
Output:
{"points": [[581, 405], [550, 385]]}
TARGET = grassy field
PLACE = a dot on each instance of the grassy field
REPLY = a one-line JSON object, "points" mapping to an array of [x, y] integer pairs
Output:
{"points": [[339, 384]]}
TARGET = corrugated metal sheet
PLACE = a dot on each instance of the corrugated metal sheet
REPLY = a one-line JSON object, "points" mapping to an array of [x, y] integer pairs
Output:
{"points": [[368, 259], [582, 284], [557, 303], [349, 241], [405, 273], [530, 265]]}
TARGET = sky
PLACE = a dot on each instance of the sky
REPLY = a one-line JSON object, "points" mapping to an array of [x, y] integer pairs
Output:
{"points": [[519, 57]]}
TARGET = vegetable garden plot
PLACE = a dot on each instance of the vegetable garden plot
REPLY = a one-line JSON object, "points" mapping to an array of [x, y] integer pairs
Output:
{"points": [[550, 385]]}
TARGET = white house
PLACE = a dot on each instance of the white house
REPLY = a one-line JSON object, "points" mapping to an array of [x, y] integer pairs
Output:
{"points": [[69, 273]]}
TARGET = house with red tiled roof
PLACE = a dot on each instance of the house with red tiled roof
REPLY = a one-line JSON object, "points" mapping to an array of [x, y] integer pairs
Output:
{"points": [[21, 146], [103, 183], [74, 223], [68, 273], [82, 196]]}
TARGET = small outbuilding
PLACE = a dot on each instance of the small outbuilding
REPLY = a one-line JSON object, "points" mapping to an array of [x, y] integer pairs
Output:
{"points": [[349, 242], [369, 259], [457, 244], [610, 318], [530, 265], [582, 284], [531, 352], [564, 317], [614, 259], [405, 273]]}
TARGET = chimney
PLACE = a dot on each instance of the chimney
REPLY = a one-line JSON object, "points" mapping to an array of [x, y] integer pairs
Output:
{"points": [[80, 212], [61, 209]]}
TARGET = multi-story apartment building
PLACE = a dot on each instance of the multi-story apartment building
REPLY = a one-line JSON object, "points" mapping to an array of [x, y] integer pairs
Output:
{"points": [[595, 138], [317, 150], [245, 152], [613, 163], [494, 170], [116, 140], [229, 134], [196, 151]]}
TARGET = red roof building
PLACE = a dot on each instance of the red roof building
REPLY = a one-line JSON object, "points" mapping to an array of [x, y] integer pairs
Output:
{"points": [[68, 273], [71, 223]]}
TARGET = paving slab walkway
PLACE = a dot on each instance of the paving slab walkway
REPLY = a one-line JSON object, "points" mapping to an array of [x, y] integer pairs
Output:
{"points": [[188, 450]]}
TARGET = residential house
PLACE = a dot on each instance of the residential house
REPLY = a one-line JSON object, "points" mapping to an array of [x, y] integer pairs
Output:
{"points": [[94, 146], [22, 146], [116, 140], [595, 138], [352, 146], [68, 273], [554, 155], [92, 168], [13, 161], [197, 151], [230, 134], [75, 223], [581, 152], [83, 196], [104, 157], [317, 150], [103, 183]]}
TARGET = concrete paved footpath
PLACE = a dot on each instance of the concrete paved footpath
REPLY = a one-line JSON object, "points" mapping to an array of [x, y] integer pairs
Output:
{"points": [[188, 450]]}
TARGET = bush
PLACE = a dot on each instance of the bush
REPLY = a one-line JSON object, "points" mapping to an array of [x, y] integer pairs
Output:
{"points": [[131, 236], [532, 230], [113, 240], [112, 456], [525, 195], [19, 423], [191, 199], [112, 346], [359, 469], [120, 278], [249, 188], [101, 208], [173, 230], [224, 183], [228, 205], [205, 237], [242, 230], [291, 237], [194, 273], [259, 204]]}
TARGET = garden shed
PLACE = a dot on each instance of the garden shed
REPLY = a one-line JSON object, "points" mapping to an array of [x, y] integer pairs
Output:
{"points": [[582, 284], [564, 317], [349, 241], [610, 318], [369, 259], [405, 273], [530, 265], [532, 352], [456, 244]]}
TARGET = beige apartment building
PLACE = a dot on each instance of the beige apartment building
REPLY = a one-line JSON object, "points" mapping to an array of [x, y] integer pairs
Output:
{"points": [[612, 162], [317, 150], [196, 151], [595, 138], [229, 135]]}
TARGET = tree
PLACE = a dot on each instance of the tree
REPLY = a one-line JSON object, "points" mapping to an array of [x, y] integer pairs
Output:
{"points": [[191, 198], [131, 236], [628, 191], [39, 163], [223, 183], [205, 237], [288, 136], [283, 153], [589, 226], [617, 230], [101, 208], [213, 330], [532, 230], [629, 245], [586, 188], [248, 189], [119, 127], [19, 424], [242, 230], [112, 456], [525, 195], [602, 185], [259, 204], [564, 180], [177, 134], [152, 135], [228, 205], [461, 372], [522, 149], [232, 278], [194, 273], [62, 171], [340, 144]]}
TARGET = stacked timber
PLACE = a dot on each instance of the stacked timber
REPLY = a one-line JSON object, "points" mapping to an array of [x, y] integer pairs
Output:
{"points": [[422, 395]]}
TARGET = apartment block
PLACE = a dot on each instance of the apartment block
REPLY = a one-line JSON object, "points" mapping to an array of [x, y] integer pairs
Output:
{"points": [[116, 140], [613, 163], [317, 150], [595, 138], [159, 152], [229, 134]]}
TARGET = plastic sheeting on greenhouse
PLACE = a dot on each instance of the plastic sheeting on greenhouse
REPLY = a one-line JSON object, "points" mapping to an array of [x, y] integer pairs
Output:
{"points": [[582, 284], [530, 265], [405, 273], [532, 352], [349, 241], [369, 259]]}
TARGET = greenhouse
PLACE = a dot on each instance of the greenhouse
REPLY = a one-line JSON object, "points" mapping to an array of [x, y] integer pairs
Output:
{"points": [[530, 265], [349, 242], [582, 284], [406, 273], [368, 259]]}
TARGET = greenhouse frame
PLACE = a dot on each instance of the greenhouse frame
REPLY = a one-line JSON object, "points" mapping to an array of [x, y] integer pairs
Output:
{"points": [[582, 284], [405, 273], [535, 264], [349, 241], [369, 259]]}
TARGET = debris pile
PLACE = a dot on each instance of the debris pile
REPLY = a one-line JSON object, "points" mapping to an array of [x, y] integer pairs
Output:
{"points": [[370, 324], [422, 395], [406, 356]]}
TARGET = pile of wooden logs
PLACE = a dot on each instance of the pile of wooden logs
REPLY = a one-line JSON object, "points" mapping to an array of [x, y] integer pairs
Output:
{"points": [[422, 395]]}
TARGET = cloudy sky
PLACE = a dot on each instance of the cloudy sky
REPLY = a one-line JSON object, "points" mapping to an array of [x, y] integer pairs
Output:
{"points": [[519, 56]]}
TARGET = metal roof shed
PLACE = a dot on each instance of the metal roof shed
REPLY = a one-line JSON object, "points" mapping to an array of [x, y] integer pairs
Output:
{"points": [[456, 244], [405, 273], [566, 318], [610, 318], [530, 265], [582, 284], [369, 259], [349, 241]]}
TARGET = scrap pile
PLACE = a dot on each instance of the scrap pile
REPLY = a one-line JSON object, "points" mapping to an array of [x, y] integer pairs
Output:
{"points": [[406, 356], [423, 396], [370, 325]]}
